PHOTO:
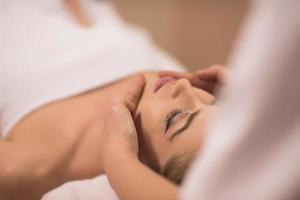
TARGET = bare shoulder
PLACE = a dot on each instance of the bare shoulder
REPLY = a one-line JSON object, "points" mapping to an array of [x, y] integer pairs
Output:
{"points": [[69, 114]]}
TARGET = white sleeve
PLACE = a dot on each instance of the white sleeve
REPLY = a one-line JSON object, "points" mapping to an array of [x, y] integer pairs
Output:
{"points": [[253, 147]]}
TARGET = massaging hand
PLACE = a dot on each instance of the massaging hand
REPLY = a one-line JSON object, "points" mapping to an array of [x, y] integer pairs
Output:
{"points": [[118, 125], [208, 79]]}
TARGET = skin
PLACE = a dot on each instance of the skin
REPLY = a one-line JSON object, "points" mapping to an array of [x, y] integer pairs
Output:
{"points": [[157, 146], [78, 13], [61, 141]]}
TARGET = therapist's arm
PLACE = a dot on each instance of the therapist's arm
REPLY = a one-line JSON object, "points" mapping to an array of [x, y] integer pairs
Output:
{"points": [[253, 148], [127, 175], [132, 180]]}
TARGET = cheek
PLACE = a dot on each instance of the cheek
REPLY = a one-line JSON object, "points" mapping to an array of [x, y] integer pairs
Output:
{"points": [[154, 142], [192, 140], [152, 116], [204, 96]]}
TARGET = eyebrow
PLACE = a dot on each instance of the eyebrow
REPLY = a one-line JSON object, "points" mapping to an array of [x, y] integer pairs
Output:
{"points": [[188, 123]]}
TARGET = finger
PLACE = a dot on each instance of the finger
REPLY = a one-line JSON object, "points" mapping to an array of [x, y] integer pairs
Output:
{"points": [[201, 83], [210, 73], [209, 86], [134, 91], [216, 73], [120, 115], [176, 75]]}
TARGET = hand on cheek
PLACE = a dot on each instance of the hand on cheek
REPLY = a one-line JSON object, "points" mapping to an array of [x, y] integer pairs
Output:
{"points": [[118, 126]]}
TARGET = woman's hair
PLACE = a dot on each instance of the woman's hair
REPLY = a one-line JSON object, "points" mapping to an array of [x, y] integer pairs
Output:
{"points": [[177, 167]]}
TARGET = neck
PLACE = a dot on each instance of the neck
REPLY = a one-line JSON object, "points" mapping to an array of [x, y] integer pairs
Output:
{"points": [[78, 13]]}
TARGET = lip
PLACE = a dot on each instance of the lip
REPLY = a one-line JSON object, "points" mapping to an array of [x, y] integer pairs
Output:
{"points": [[162, 81]]}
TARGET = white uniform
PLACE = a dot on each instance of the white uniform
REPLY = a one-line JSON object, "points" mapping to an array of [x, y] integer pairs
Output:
{"points": [[45, 56], [253, 148]]}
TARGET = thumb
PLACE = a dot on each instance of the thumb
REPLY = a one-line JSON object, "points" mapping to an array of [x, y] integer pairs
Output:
{"points": [[134, 91], [176, 75], [209, 73], [213, 73]]}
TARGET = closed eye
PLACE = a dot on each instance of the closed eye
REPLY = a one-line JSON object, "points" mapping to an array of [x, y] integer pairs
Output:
{"points": [[187, 124], [170, 118]]}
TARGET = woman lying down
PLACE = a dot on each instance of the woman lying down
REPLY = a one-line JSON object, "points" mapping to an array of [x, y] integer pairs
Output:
{"points": [[53, 112], [64, 140]]}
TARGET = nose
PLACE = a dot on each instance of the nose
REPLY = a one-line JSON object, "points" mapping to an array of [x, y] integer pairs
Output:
{"points": [[182, 87]]}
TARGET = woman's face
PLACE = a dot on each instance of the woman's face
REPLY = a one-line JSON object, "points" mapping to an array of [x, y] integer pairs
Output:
{"points": [[170, 119]]}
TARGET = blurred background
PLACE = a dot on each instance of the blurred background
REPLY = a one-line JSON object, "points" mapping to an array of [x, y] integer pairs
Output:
{"points": [[198, 33]]}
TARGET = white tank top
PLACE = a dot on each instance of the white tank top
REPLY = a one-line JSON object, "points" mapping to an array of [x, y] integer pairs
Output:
{"points": [[45, 56]]}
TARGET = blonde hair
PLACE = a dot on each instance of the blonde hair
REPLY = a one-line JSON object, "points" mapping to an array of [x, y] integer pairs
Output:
{"points": [[177, 167]]}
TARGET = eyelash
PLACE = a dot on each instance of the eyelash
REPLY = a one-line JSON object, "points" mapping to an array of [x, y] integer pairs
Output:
{"points": [[170, 116]]}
